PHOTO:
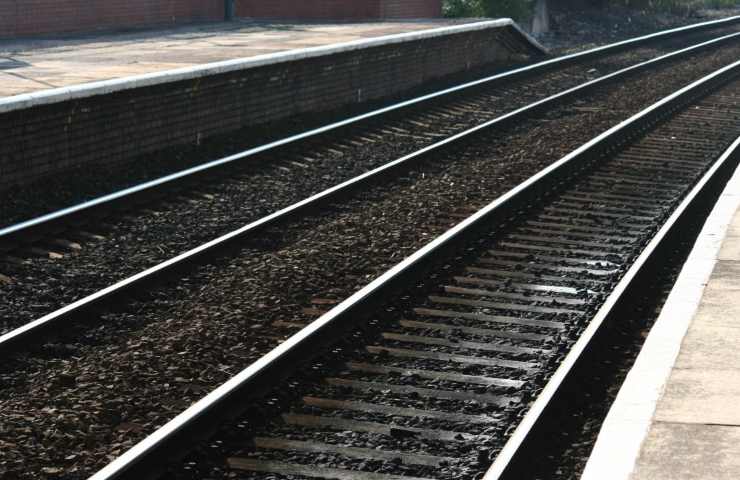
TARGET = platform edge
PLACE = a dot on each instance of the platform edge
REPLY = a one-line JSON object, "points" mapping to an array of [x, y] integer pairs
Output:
{"points": [[56, 95]]}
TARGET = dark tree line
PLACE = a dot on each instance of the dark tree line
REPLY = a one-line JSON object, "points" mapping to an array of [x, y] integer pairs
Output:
{"points": [[524, 9]]}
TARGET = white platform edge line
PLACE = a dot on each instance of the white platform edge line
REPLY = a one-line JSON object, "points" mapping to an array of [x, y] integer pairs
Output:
{"points": [[626, 426], [83, 90]]}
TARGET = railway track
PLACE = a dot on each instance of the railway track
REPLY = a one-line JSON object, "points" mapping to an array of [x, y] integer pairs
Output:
{"points": [[449, 378], [140, 243], [419, 121], [436, 113], [671, 39], [318, 303]]}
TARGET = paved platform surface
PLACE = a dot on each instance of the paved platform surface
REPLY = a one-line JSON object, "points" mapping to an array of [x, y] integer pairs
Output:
{"points": [[32, 65], [677, 416], [695, 433]]}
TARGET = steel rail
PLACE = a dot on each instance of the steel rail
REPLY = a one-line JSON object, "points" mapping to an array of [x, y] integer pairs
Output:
{"points": [[230, 399], [19, 337], [38, 225], [550, 392]]}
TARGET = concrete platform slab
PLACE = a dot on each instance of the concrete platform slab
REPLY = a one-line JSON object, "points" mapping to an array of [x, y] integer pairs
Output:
{"points": [[734, 229], [689, 452], [719, 309], [710, 347], [715, 390], [726, 276], [730, 249], [33, 65]]}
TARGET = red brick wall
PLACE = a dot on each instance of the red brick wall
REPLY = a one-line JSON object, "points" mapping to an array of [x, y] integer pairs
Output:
{"points": [[310, 9], [338, 9], [411, 8], [25, 18], [22, 18]]}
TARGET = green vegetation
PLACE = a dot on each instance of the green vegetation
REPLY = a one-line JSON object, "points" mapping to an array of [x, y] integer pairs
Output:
{"points": [[521, 9], [675, 6], [517, 9]]}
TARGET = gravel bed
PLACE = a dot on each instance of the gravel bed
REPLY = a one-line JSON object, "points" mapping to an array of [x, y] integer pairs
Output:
{"points": [[136, 242], [72, 406], [473, 455], [579, 422], [328, 460]]}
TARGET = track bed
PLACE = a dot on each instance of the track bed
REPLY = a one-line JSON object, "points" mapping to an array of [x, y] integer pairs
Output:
{"points": [[437, 384], [90, 256], [105, 385]]}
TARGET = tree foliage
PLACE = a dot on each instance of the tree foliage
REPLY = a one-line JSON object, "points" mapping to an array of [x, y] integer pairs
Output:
{"points": [[517, 9], [666, 5], [521, 9]]}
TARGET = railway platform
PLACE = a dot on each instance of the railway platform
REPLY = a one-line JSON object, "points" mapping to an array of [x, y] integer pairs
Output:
{"points": [[28, 65], [676, 414], [219, 79]]}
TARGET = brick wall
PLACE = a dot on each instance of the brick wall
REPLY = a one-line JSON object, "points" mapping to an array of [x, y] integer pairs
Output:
{"points": [[110, 130], [339, 9], [25, 18], [410, 8], [309, 9], [21, 18]]}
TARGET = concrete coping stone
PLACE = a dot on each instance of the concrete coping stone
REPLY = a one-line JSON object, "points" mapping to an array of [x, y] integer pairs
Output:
{"points": [[57, 95]]}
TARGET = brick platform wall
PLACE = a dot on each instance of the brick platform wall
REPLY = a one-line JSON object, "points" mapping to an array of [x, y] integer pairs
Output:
{"points": [[110, 130], [24, 18]]}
